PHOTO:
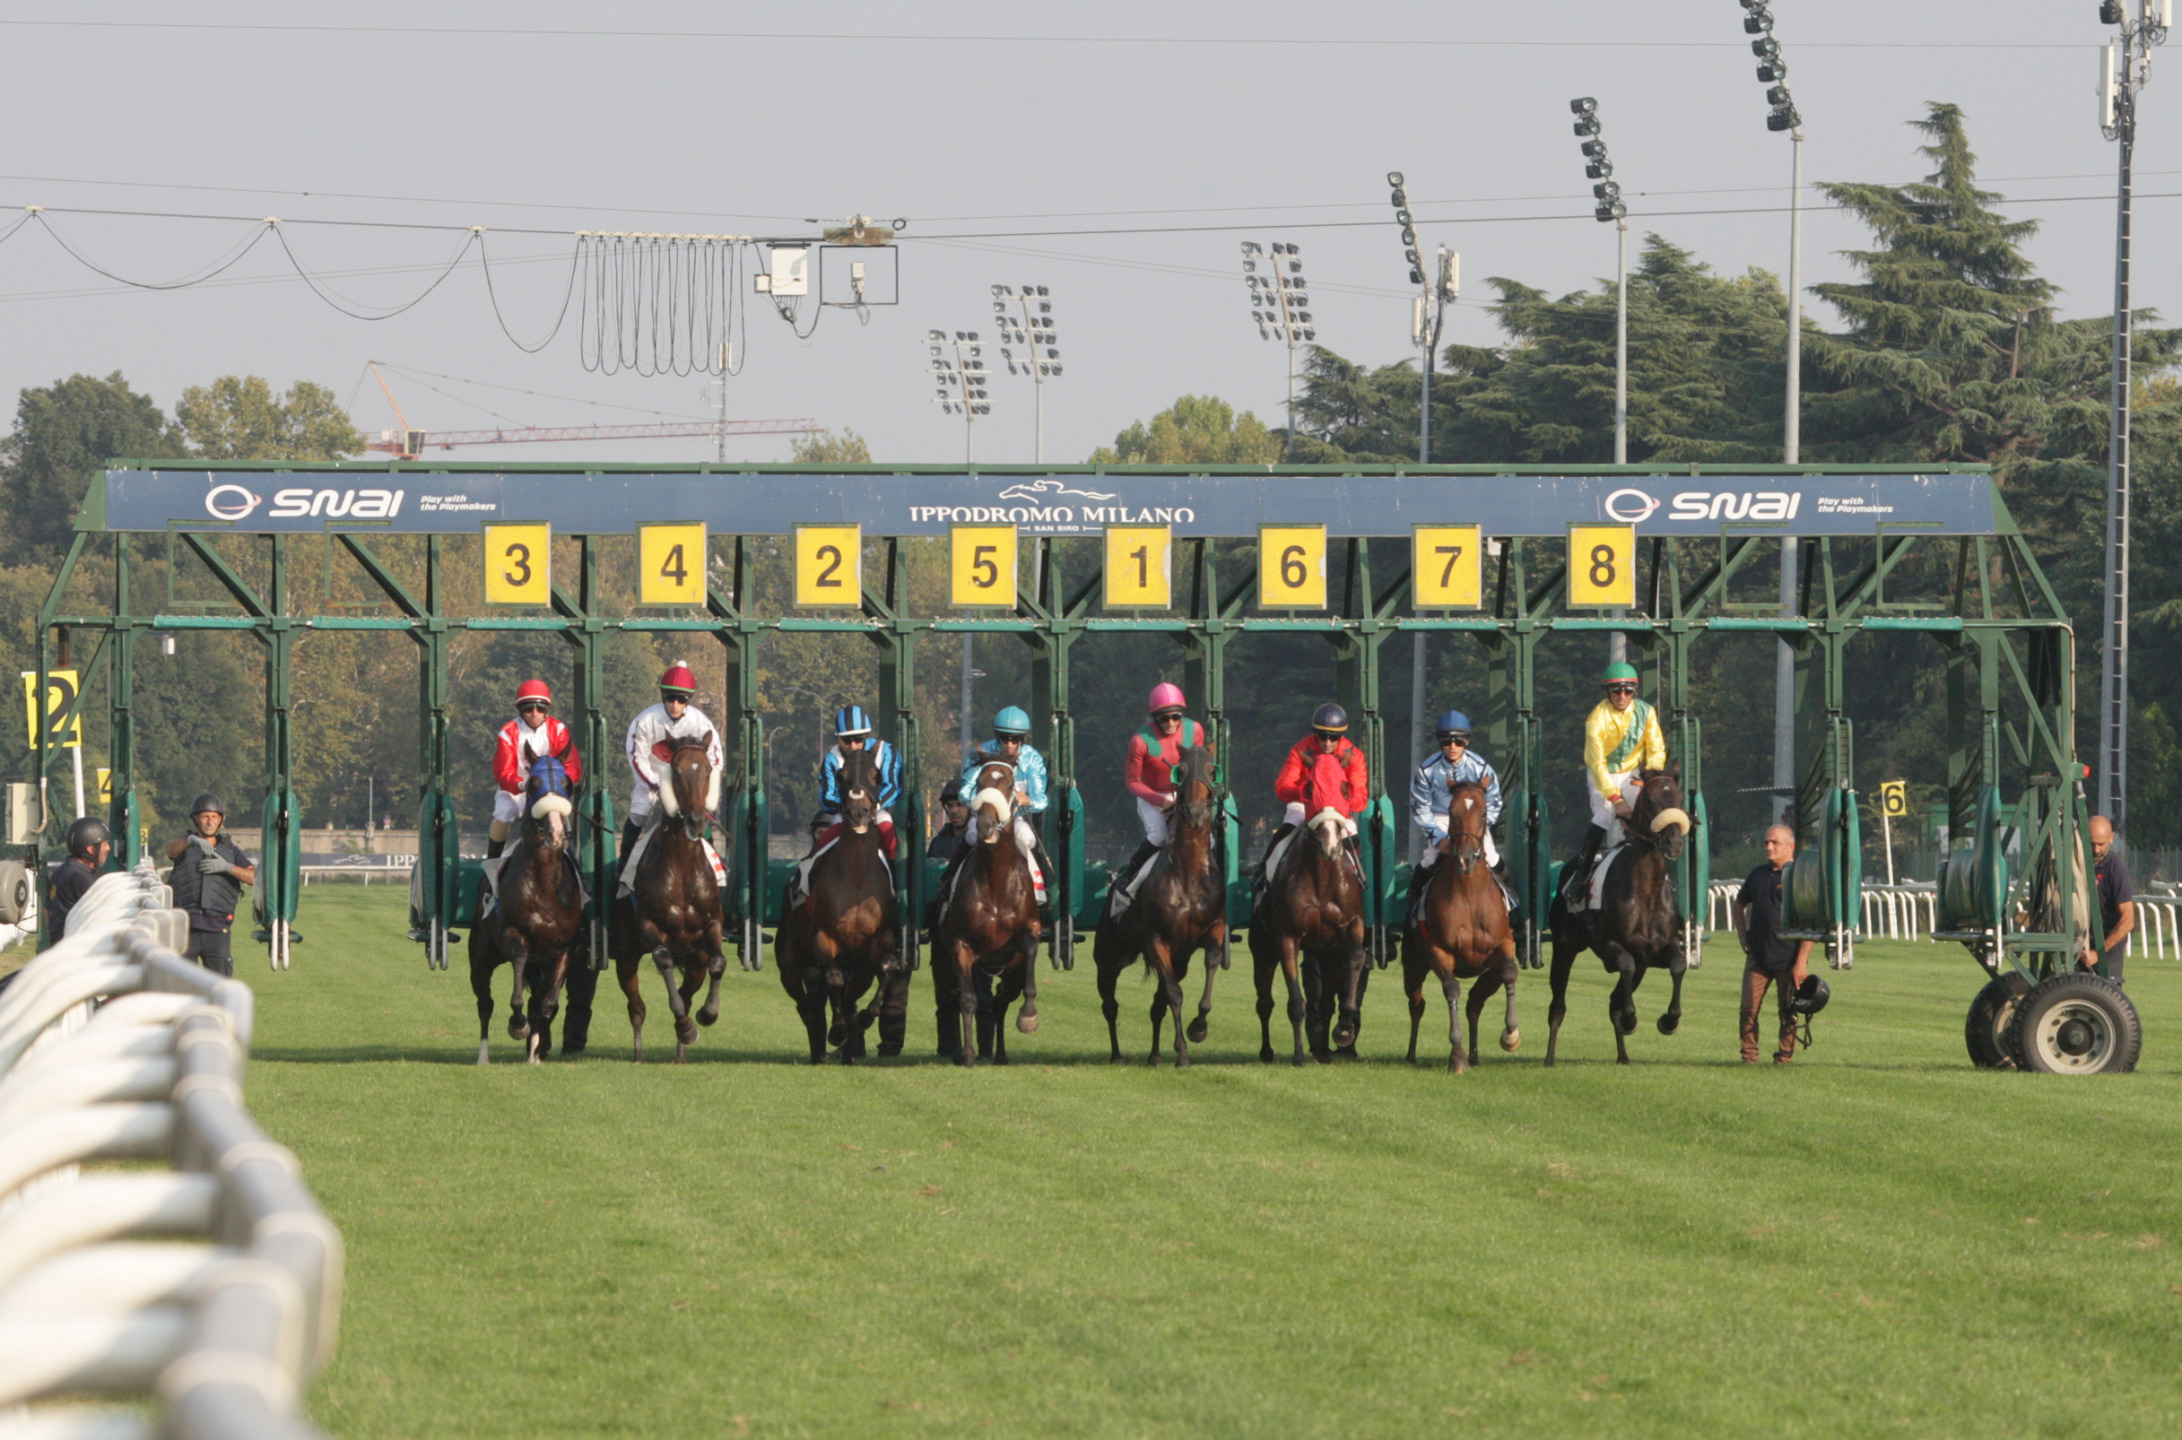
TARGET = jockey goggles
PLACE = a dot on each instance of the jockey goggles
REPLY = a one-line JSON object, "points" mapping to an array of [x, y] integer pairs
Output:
{"points": [[524, 707], [1163, 716], [1621, 687]]}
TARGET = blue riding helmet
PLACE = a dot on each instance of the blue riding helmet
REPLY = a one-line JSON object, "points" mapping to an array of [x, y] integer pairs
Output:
{"points": [[850, 721], [1012, 721], [1452, 722]]}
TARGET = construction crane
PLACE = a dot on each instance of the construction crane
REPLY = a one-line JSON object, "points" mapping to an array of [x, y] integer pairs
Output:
{"points": [[406, 443]]}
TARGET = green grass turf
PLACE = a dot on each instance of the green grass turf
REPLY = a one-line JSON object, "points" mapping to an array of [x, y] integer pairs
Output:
{"points": [[1878, 1240]]}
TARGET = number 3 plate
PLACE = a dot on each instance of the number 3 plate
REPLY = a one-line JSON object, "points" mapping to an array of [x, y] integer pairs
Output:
{"points": [[1602, 565], [519, 564]]}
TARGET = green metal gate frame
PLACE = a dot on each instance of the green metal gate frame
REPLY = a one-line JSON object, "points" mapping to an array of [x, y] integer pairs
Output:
{"points": [[2002, 625]]}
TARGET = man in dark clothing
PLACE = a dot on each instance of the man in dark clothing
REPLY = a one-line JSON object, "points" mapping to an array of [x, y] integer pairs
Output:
{"points": [[1769, 957], [948, 838], [208, 876], [2117, 903], [90, 844]]}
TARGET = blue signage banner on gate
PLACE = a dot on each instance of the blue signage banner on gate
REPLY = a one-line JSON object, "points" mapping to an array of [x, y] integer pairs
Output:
{"points": [[1059, 502]]}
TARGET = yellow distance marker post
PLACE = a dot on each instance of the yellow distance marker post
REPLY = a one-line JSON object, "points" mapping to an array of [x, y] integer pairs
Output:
{"points": [[60, 693], [519, 564], [1447, 571], [830, 565], [1291, 567], [1894, 799], [671, 564], [1602, 565], [1140, 567], [982, 565]]}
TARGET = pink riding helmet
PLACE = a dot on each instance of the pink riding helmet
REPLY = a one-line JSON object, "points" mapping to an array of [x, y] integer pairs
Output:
{"points": [[1166, 695]]}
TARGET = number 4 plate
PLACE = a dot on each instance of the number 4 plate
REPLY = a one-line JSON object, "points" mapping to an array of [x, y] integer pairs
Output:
{"points": [[672, 561]]}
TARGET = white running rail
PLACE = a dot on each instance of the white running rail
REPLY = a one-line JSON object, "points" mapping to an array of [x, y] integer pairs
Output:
{"points": [[204, 1295]]}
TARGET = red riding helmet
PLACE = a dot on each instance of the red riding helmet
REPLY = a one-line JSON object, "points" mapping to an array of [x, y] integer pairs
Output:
{"points": [[679, 680], [533, 690]]}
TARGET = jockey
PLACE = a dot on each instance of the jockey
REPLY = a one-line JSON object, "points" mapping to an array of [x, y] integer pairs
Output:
{"points": [[852, 726], [532, 734], [653, 735], [1437, 774], [1011, 745], [1329, 736], [1148, 771], [1620, 737]]}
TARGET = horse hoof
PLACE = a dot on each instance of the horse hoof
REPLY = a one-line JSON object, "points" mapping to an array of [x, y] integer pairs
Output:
{"points": [[1345, 1052], [1344, 1038], [1626, 1021], [1265, 1054], [837, 1034], [1668, 1024], [681, 1055], [1181, 1062], [1323, 1057], [685, 1032], [1297, 1062], [484, 1052], [1511, 1039], [518, 1027], [1027, 1023], [709, 1015], [888, 1049], [1117, 1058], [1198, 1030]]}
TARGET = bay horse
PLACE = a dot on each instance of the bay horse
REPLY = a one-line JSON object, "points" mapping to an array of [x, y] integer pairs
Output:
{"points": [[841, 937], [1460, 932], [989, 928], [1314, 907], [1637, 926], [673, 914], [1180, 908], [537, 916]]}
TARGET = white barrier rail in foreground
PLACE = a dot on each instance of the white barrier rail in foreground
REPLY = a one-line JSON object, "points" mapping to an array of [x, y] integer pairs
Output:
{"points": [[211, 1288]]}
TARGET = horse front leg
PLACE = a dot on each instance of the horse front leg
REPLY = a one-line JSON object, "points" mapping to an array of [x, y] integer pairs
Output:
{"points": [[627, 971], [1564, 956], [1291, 969], [513, 945], [1621, 1005], [1026, 1019], [1451, 986], [1262, 965], [1110, 1004], [965, 962], [716, 968], [481, 968], [1202, 1026], [1352, 991], [1414, 969], [1511, 1038], [1671, 1021], [545, 1003], [1166, 996]]}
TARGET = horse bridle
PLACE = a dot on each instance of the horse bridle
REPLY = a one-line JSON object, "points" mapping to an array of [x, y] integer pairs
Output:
{"points": [[694, 817], [1471, 846]]}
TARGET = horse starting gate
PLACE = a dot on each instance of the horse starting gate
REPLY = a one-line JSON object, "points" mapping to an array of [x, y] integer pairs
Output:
{"points": [[1508, 556]]}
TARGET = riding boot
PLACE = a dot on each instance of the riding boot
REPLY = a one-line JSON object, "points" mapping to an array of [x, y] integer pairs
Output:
{"points": [[1272, 845], [1580, 874], [493, 848], [1143, 857], [1420, 875], [629, 831], [947, 878]]}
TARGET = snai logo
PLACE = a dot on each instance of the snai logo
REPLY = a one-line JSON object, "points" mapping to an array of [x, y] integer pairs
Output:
{"points": [[231, 502], [1729, 505], [302, 503]]}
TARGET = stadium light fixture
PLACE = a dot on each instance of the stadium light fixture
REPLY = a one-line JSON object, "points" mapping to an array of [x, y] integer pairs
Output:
{"points": [[1028, 342]]}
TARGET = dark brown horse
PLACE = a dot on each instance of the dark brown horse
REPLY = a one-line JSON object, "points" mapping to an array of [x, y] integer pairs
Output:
{"points": [[990, 928], [674, 913], [834, 942], [537, 916], [1180, 908], [1461, 931], [1637, 926], [1313, 906]]}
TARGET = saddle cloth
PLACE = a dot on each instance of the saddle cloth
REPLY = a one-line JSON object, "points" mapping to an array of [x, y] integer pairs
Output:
{"points": [[1590, 894], [800, 890], [1280, 853], [488, 897], [644, 842], [1126, 886], [1037, 878]]}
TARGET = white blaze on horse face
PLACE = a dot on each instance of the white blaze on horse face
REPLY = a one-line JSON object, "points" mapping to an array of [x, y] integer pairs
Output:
{"points": [[1326, 824]]}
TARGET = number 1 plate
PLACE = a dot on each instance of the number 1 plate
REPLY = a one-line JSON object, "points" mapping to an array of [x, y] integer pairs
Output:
{"points": [[671, 560], [1140, 567]]}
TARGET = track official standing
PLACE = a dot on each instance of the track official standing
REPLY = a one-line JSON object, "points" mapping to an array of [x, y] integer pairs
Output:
{"points": [[2117, 903], [90, 844], [1770, 958], [209, 873]]}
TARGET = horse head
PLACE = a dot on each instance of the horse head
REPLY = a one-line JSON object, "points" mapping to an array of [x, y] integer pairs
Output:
{"points": [[1329, 803], [547, 801], [859, 791], [692, 791], [1196, 784], [1658, 818], [993, 800], [1466, 824]]}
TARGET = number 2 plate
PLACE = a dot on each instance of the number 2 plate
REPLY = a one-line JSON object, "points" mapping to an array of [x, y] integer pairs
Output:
{"points": [[830, 565]]}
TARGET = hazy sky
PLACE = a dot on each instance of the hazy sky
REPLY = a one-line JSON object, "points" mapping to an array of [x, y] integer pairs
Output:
{"points": [[1013, 139]]}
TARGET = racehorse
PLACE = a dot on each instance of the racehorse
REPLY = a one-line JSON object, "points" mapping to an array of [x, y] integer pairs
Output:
{"points": [[1460, 931], [1180, 908], [537, 916], [674, 903], [1313, 906], [1636, 926], [841, 936], [990, 921]]}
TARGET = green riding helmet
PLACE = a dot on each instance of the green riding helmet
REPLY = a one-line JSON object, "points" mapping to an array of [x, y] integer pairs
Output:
{"points": [[1619, 670]]}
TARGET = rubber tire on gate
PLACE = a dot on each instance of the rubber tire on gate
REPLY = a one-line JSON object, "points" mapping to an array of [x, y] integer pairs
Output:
{"points": [[1989, 1032], [2077, 1008]]}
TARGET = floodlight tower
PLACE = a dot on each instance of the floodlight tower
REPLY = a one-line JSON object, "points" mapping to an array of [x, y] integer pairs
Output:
{"points": [[1773, 73], [1428, 310], [958, 365], [1026, 319], [2125, 66], [1606, 193], [1280, 301]]}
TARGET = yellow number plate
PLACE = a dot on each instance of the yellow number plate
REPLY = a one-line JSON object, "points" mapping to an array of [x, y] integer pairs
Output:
{"points": [[671, 563], [1291, 567], [1602, 565], [519, 564], [1445, 568], [1894, 798], [60, 692], [983, 566], [1140, 567], [830, 565]]}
